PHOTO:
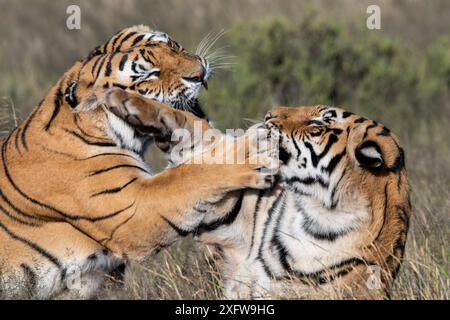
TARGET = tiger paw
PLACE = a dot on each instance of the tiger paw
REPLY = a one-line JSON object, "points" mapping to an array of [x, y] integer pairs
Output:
{"points": [[261, 157], [147, 116]]}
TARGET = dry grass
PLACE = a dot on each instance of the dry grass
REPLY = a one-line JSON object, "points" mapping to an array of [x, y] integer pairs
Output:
{"points": [[182, 272]]}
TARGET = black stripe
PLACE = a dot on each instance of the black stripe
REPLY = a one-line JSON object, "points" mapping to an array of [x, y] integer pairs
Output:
{"points": [[71, 96], [20, 212], [384, 132], [323, 276], [95, 65], [95, 52], [347, 114], [118, 85], [31, 281], [123, 61], [100, 67], [108, 70], [323, 236], [138, 39], [308, 181], [128, 36], [276, 243], [116, 38], [16, 140], [91, 143], [261, 193], [104, 242], [181, 232], [317, 122], [225, 220], [333, 193], [134, 65], [114, 190], [334, 162], [108, 154], [144, 56], [27, 124], [336, 131], [106, 216], [295, 145], [57, 103], [373, 125], [153, 57], [266, 226], [384, 215], [96, 172], [46, 206], [32, 245], [67, 155], [399, 162], [315, 158], [105, 46], [9, 215], [331, 113]]}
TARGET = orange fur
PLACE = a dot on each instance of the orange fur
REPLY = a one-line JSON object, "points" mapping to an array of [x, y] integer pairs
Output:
{"points": [[73, 194]]}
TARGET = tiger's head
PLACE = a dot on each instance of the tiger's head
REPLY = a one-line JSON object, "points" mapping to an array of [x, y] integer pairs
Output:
{"points": [[332, 154], [150, 63], [347, 176]]}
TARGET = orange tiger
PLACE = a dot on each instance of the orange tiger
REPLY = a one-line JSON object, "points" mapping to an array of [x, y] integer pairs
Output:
{"points": [[335, 224], [77, 200]]}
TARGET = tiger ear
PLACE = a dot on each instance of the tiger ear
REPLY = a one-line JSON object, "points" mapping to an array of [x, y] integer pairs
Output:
{"points": [[376, 148], [368, 154]]}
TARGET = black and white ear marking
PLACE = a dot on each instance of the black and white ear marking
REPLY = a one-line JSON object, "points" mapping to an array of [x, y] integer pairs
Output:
{"points": [[70, 95], [368, 154]]}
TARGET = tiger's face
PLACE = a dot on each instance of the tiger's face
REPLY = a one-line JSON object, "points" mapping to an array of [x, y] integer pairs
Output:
{"points": [[327, 151], [157, 67]]}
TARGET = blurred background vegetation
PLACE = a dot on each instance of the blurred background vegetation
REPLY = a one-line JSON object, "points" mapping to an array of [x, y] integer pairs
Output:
{"points": [[283, 52]]}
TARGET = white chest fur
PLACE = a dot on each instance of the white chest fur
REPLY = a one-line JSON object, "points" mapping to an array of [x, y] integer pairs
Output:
{"points": [[315, 237]]}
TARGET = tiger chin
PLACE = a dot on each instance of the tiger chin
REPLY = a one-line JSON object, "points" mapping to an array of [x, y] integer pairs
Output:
{"points": [[77, 200], [335, 224]]}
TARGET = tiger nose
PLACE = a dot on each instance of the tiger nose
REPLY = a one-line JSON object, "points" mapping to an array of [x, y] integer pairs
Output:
{"points": [[198, 76], [269, 115], [200, 73], [272, 114]]}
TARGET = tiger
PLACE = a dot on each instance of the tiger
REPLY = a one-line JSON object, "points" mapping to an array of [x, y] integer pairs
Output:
{"points": [[77, 200], [335, 223]]}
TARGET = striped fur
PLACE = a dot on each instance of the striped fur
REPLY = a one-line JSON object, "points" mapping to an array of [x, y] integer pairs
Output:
{"points": [[76, 198], [335, 224]]}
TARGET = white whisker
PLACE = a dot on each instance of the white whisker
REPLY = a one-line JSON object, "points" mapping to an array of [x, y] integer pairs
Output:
{"points": [[213, 41], [202, 44]]}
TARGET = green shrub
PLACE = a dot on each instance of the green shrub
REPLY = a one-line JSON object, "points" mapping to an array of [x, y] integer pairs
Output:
{"points": [[322, 62]]}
